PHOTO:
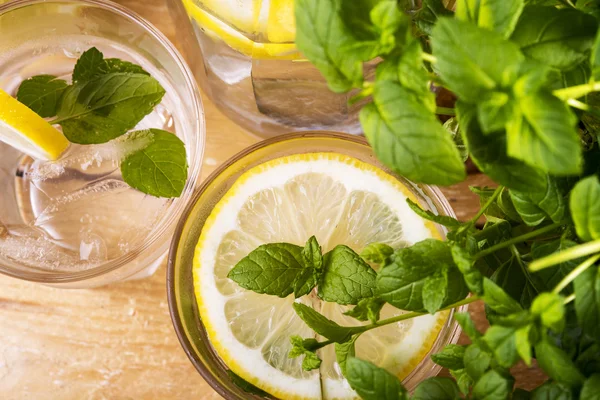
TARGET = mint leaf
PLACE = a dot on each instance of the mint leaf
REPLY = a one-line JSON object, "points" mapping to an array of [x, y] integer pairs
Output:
{"points": [[535, 206], [587, 301], [502, 341], [523, 344], [303, 347], [323, 326], [426, 214], [557, 364], [244, 385], [495, 111], [347, 278], [498, 300], [408, 138], [411, 72], [466, 265], [477, 361], [595, 58], [160, 169], [585, 208], [450, 357], [372, 382], [270, 269], [91, 64], [483, 67], [42, 93], [488, 152], [436, 389], [552, 391], [550, 308], [499, 16], [591, 388], [367, 310], [107, 107], [543, 135], [377, 252], [344, 351], [401, 282], [321, 36], [429, 13], [492, 386], [467, 325], [560, 38], [463, 380], [313, 263], [435, 291], [591, 7]]}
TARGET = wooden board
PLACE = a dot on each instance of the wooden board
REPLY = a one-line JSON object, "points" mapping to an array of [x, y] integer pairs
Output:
{"points": [[117, 342]]}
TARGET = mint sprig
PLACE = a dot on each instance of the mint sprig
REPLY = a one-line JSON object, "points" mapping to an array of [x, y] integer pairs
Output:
{"points": [[108, 98]]}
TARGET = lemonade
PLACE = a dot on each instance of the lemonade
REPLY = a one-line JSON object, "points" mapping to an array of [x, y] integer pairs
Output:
{"points": [[340, 200]]}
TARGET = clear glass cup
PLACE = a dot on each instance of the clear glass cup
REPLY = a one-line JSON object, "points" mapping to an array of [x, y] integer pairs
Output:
{"points": [[180, 290], [74, 222]]}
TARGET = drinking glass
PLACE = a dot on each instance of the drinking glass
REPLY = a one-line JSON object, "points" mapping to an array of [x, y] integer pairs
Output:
{"points": [[74, 222], [180, 285]]}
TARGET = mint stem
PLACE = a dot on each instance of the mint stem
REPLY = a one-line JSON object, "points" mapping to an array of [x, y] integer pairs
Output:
{"points": [[569, 299], [584, 107], [567, 255], [575, 92], [445, 111], [575, 273], [482, 210], [429, 58], [517, 240]]}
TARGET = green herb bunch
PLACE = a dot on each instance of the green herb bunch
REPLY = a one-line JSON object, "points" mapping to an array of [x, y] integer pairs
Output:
{"points": [[108, 98], [526, 74]]}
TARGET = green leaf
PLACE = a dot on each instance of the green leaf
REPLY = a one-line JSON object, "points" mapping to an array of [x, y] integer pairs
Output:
{"points": [[535, 207], [344, 351], [499, 16], [498, 300], [41, 94], [477, 361], [412, 73], [303, 347], [463, 380], [436, 389], [492, 386], [91, 64], [320, 36], [488, 152], [429, 13], [544, 135], [372, 382], [160, 169], [521, 394], [523, 344], [585, 208], [401, 282], [560, 38], [487, 59], [466, 265], [270, 269], [557, 364], [591, 388], [595, 59], [323, 326], [104, 108], [549, 307], [450, 357], [502, 341], [428, 215], [467, 325], [552, 391], [495, 111], [550, 277], [244, 385], [408, 138], [313, 263], [587, 301], [347, 278], [452, 127], [591, 7], [367, 310], [377, 252], [435, 290]]}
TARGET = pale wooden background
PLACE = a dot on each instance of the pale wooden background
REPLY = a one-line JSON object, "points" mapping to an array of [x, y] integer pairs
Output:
{"points": [[117, 342]]}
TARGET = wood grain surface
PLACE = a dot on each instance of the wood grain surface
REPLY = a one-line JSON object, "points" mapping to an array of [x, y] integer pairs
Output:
{"points": [[117, 342]]}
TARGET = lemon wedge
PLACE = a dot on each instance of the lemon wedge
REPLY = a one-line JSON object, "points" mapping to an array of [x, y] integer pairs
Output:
{"points": [[340, 200], [26, 131]]}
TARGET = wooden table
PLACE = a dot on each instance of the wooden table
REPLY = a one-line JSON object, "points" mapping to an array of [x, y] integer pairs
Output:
{"points": [[117, 342]]}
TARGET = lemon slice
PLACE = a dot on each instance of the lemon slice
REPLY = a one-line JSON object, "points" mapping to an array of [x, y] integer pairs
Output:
{"points": [[26, 131], [241, 25], [338, 199]]}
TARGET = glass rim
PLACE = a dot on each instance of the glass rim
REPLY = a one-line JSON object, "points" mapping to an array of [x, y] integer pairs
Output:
{"points": [[451, 328], [195, 164]]}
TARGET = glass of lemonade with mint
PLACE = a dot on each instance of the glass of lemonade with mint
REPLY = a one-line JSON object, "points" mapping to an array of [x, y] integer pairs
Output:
{"points": [[275, 259], [101, 141]]}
